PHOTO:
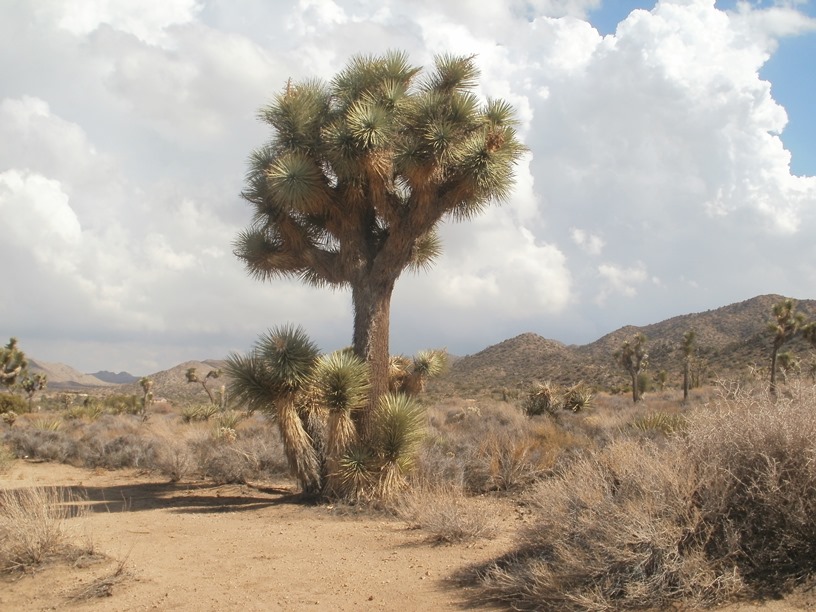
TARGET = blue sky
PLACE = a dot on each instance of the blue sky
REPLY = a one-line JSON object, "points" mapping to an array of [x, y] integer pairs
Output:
{"points": [[656, 183], [791, 70]]}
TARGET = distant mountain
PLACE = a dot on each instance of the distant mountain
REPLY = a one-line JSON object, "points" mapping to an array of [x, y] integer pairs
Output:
{"points": [[61, 376], [730, 340], [172, 384], [122, 378]]}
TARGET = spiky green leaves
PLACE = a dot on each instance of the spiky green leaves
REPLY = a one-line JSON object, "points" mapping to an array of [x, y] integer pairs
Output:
{"points": [[453, 73], [427, 250], [367, 75], [297, 114], [350, 161], [289, 355], [280, 364], [297, 183], [430, 363], [369, 124], [341, 381], [399, 427]]}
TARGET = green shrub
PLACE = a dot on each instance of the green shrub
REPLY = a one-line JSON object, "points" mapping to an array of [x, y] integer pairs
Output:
{"points": [[12, 403], [660, 421]]}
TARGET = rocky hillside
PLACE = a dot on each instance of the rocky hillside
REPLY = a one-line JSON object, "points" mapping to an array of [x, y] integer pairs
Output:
{"points": [[730, 341], [172, 384]]}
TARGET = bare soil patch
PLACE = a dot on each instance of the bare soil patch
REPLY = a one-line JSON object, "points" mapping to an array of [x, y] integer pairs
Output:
{"points": [[181, 546]]}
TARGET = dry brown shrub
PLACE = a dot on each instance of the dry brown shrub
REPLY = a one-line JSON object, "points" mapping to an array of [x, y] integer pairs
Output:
{"points": [[34, 526], [757, 459], [606, 536], [727, 509], [491, 446], [6, 458], [446, 514]]}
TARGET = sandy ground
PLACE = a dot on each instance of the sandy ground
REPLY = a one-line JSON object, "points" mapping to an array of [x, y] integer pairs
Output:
{"points": [[194, 546]]}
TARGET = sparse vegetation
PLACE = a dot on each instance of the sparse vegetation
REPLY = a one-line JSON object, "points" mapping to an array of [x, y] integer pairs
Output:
{"points": [[633, 357], [446, 514], [659, 504], [34, 526], [785, 325], [728, 509]]}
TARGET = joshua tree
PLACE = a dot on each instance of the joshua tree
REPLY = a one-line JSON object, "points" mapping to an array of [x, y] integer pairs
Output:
{"points": [[407, 375], [688, 347], [13, 363], [32, 384], [634, 359], [147, 393], [313, 398], [787, 362], [785, 325], [359, 173], [192, 376]]}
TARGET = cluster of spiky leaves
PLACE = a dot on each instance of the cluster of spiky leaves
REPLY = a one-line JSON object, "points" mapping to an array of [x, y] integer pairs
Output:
{"points": [[364, 167], [314, 399], [408, 375], [13, 363]]}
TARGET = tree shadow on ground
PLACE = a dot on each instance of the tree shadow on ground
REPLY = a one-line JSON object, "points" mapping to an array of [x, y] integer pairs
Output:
{"points": [[184, 497]]}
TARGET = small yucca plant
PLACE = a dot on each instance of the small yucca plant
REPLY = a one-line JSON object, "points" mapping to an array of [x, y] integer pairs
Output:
{"points": [[45, 424], [577, 397], [409, 376], [542, 398], [399, 427], [660, 421], [340, 383]]}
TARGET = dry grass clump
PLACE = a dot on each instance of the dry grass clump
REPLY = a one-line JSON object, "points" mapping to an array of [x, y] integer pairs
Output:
{"points": [[228, 449], [102, 586], [446, 514], [252, 451], [491, 446], [757, 460], [611, 533], [36, 443], [6, 458], [726, 510], [34, 526]]}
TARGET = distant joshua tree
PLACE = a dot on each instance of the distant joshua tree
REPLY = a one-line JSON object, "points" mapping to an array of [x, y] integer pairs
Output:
{"points": [[147, 393], [32, 384], [633, 357], [192, 376], [784, 326], [688, 347]]}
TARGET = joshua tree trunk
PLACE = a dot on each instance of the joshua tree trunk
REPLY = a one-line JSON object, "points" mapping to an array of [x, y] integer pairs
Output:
{"points": [[298, 447], [372, 313], [774, 353], [685, 380], [635, 390]]}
